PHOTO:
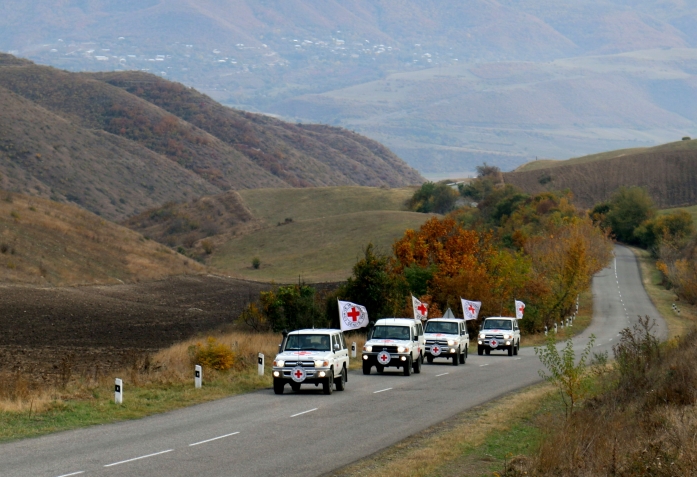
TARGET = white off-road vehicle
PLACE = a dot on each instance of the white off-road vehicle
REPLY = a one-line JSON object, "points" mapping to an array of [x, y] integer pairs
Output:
{"points": [[499, 333], [447, 338], [396, 342], [311, 357]]}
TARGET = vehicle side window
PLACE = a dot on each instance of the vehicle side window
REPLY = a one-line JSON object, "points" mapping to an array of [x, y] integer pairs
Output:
{"points": [[334, 342], [343, 341], [420, 327]]}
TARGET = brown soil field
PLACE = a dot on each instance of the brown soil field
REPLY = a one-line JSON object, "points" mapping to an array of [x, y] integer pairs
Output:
{"points": [[91, 330]]}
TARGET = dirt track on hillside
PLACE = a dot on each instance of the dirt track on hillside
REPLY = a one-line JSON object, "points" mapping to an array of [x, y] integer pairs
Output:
{"points": [[96, 329]]}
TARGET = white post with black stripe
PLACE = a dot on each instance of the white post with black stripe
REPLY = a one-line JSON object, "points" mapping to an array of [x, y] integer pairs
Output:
{"points": [[118, 391], [260, 365], [353, 349], [198, 376]]}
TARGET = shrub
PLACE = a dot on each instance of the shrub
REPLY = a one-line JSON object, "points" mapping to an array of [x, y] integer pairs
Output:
{"points": [[432, 197], [256, 263], [207, 246], [15, 214], [636, 353], [213, 355]]}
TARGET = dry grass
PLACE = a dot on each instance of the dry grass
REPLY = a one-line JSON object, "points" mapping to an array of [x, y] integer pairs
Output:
{"points": [[46, 242]]}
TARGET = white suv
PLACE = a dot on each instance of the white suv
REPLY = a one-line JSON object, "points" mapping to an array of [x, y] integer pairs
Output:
{"points": [[397, 342], [447, 338], [311, 357], [499, 332]]}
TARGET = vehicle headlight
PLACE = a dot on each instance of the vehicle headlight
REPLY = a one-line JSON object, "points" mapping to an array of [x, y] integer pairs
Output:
{"points": [[279, 363], [321, 364], [482, 335], [368, 348], [451, 342], [401, 349], [508, 337]]}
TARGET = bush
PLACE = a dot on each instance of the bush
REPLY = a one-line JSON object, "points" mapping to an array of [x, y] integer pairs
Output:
{"points": [[256, 263], [207, 246], [213, 355], [432, 197]]}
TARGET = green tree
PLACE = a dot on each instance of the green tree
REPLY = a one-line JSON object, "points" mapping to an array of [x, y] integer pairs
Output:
{"points": [[292, 307], [675, 227], [433, 197], [629, 208]]}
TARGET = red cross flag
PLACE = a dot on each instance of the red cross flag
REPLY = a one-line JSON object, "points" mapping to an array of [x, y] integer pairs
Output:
{"points": [[519, 309], [470, 309], [352, 316], [420, 309]]}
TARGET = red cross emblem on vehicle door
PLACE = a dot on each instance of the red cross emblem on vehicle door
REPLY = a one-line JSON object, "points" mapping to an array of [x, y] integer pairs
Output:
{"points": [[384, 357], [354, 314]]}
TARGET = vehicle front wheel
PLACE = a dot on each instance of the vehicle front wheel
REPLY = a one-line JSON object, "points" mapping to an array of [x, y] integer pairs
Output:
{"points": [[480, 350], [510, 350], [328, 384], [407, 367], [366, 367], [516, 348], [463, 357], [278, 385], [341, 382], [417, 366], [456, 357]]}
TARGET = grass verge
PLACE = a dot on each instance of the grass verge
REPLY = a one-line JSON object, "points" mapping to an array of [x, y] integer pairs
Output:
{"points": [[478, 441], [663, 299]]}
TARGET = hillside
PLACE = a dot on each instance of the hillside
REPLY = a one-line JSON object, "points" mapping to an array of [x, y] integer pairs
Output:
{"points": [[47, 243], [312, 233], [116, 153], [668, 172], [445, 84]]}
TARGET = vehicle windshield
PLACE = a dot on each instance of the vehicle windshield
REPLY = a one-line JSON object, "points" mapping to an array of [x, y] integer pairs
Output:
{"points": [[498, 325], [442, 327], [308, 343], [391, 333]]}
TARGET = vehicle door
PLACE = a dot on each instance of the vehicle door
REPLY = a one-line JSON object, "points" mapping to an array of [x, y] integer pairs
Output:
{"points": [[464, 337], [340, 353], [422, 338], [345, 350], [516, 330]]}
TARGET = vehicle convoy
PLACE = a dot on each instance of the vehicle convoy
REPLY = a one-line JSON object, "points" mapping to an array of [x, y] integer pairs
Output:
{"points": [[395, 342], [499, 333], [311, 357], [446, 338]]}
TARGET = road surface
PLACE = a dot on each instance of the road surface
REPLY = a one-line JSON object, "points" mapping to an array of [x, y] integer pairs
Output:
{"points": [[309, 433]]}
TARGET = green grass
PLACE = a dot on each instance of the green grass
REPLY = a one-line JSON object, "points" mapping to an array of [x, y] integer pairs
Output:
{"points": [[275, 205], [673, 146], [692, 210], [97, 405], [315, 250]]}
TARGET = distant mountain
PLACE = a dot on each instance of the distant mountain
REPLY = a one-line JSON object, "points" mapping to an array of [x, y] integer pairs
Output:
{"points": [[121, 143], [668, 172], [447, 84]]}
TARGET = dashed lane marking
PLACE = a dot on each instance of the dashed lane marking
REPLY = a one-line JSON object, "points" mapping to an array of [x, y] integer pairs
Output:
{"points": [[487, 364], [443, 374], [139, 458], [304, 412], [381, 391], [213, 439], [74, 473]]}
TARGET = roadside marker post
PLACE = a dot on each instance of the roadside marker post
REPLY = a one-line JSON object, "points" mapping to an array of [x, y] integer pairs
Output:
{"points": [[260, 366], [353, 349], [545, 330], [118, 391], [198, 376], [555, 328]]}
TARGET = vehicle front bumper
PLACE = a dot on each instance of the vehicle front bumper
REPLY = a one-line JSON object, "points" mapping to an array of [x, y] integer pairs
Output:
{"points": [[501, 343], [396, 359], [445, 350], [312, 375]]}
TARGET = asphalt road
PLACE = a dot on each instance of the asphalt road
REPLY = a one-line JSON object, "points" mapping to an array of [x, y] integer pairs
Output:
{"points": [[309, 433]]}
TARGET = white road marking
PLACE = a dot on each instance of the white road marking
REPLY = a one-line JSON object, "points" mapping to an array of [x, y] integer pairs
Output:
{"points": [[138, 458], [304, 412], [487, 364], [214, 439], [381, 391], [518, 359], [441, 374], [74, 473]]}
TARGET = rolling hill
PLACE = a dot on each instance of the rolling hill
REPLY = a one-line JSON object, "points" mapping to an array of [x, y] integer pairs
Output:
{"points": [[84, 138], [314, 234], [444, 83], [47, 243], [668, 172]]}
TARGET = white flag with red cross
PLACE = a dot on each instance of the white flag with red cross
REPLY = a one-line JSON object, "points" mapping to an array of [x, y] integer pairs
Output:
{"points": [[352, 316], [470, 309], [519, 309], [420, 309]]}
